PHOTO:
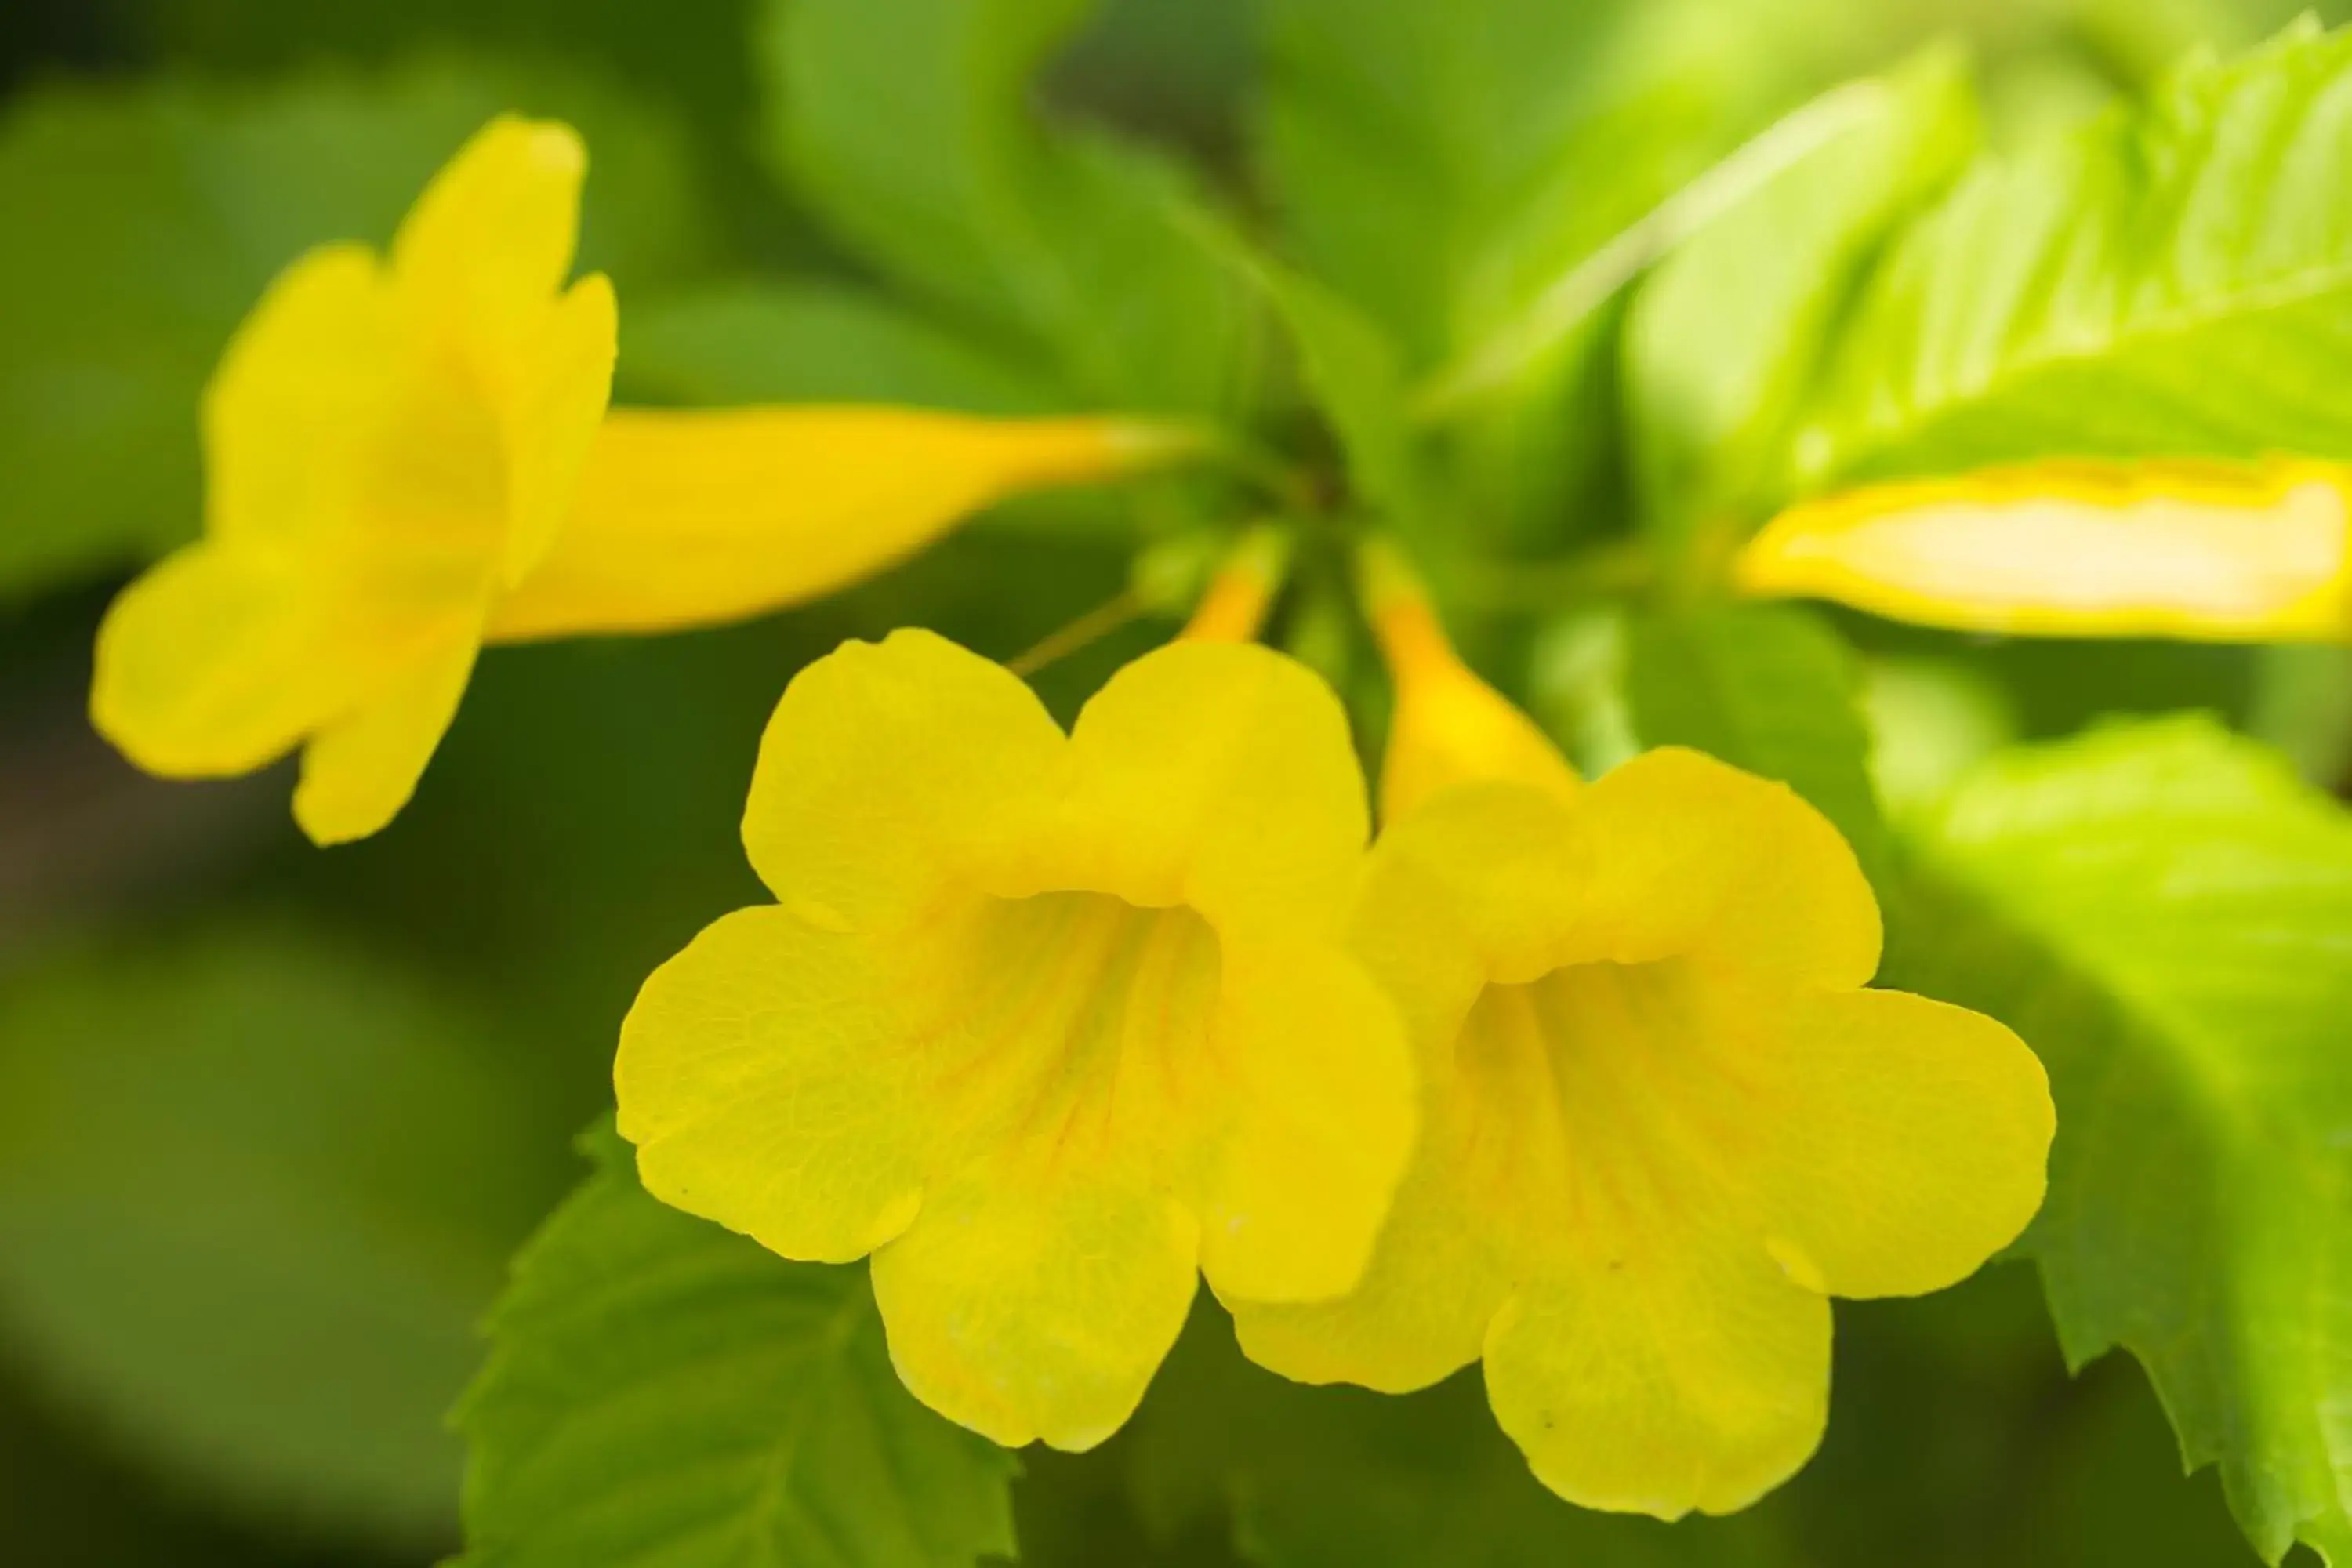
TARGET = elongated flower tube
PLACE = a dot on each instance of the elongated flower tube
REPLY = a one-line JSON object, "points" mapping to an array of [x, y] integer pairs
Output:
{"points": [[390, 444], [2207, 551], [1234, 606], [1048, 1024], [410, 456], [691, 518], [1663, 1123], [1448, 724]]}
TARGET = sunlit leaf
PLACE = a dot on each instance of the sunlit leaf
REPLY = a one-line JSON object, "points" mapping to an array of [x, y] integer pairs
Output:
{"points": [[2175, 279], [253, 1192], [662, 1391], [1723, 341], [2165, 913]]}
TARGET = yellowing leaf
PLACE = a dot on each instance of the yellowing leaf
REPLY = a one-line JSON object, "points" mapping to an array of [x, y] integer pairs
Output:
{"points": [[2209, 550]]}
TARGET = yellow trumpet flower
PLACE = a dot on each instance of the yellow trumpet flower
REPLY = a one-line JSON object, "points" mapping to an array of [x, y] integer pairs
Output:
{"points": [[2207, 551], [1662, 1119], [410, 456], [1049, 1024]]}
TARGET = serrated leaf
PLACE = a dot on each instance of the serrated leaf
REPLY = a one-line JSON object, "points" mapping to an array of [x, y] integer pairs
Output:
{"points": [[2176, 279], [145, 221], [2165, 913], [255, 1190], [1343, 1478], [1724, 339], [908, 123], [815, 342], [661, 1391], [1768, 688]]}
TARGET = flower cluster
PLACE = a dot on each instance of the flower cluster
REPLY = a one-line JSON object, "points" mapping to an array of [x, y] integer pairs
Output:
{"points": [[1583, 1080]]}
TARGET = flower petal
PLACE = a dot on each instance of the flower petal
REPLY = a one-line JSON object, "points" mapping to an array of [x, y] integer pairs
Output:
{"points": [[493, 235], [216, 662], [759, 1077], [1685, 854], [359, 769], [1903, 1142], [1435, 1279], [555, 399], [694, 518], [1219, 775], [890, 771], [1035, 1300], [309, 377], [1420, 1312], [1671, 1370], [1322, 1096]]}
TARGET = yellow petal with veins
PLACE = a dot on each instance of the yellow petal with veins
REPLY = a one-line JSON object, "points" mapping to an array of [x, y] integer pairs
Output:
{"points": [[689, 519], [2210, 551]]}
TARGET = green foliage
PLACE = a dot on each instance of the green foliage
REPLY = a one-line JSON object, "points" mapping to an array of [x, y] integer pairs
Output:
{"points": [[1343, 1478], [1767, 688], [2166, 914], [814, 343], [1725, 340], [659, 1389], [906, 124], [253, 1190], [2173, 279], [162, 211]]}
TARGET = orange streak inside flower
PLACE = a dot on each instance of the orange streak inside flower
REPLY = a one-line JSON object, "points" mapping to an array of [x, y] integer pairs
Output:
{"points": [[2206, 551]]}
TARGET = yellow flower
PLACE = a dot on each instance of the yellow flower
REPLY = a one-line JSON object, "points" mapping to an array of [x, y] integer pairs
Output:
{"points": [[409, 458], [1663, 1122], [2209, 550], [389, 444], [1448, 725], [1049, 1024], [688, 518]]}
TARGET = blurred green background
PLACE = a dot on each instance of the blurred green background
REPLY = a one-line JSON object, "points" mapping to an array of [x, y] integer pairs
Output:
{"points": [[272, 1120]]}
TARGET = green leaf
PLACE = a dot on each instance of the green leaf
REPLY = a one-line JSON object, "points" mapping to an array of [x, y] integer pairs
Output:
{"points": [[2173, 279], [907, 124], [660, 1390], [815, 342], [1352, 373], [2165, 912], [1343, 1478], [1769, 688], [253, 1192], [1724, 340], [146, 221], [2303, 705]]}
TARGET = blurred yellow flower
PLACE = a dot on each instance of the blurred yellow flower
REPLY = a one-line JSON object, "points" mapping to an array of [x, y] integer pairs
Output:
{"points": [[2207, 551], [1049, 1024], [389, 444], [1663, 1122], [1448, 724], [688, 518], [407, 459]]}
